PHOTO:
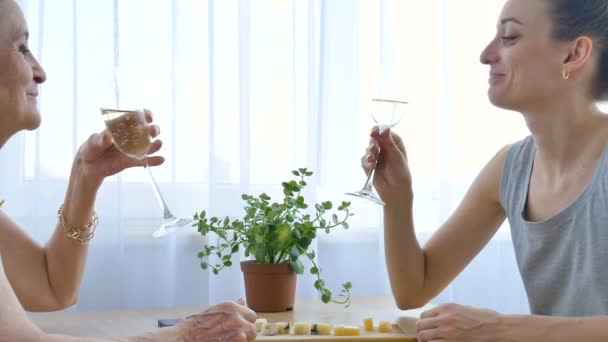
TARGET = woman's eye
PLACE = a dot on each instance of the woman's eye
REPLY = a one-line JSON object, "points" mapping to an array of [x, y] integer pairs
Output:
{"points": [[508, 39], [24, 50]]}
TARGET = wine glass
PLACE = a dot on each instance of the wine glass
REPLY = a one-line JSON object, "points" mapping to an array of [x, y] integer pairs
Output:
{"points": [[386, 113], [131, 136]]}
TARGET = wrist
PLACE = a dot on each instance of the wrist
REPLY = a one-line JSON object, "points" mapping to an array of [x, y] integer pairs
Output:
{"points": [[516, 328], [503, 326], [82, 178]]}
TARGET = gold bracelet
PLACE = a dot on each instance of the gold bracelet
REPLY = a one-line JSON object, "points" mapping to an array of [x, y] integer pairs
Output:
{"points": [[76, 233]]}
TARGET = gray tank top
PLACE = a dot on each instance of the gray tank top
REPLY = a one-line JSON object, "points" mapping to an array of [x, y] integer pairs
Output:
{"points": [[563, 260]]}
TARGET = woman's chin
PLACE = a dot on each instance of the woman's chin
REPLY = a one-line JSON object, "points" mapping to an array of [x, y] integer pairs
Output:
{"points": [[498, 100], [32, 121]]}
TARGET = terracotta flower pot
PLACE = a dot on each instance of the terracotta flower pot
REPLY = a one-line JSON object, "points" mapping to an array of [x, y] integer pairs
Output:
{"points": [[269, 287]]}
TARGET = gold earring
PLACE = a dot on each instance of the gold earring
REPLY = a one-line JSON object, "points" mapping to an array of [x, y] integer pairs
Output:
{"points": [[566, 74]]}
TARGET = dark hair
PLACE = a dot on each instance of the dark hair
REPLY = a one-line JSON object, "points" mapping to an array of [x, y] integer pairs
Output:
{"points": [[575, 18]]}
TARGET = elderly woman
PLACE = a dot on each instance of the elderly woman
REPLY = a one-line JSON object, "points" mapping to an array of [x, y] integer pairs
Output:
{"points": [[47, 278], [548, 61]]}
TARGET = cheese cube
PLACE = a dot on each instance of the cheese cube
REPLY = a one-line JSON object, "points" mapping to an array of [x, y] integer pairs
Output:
{"points": [[301, 328], [283, 328], [352, 331], [385, 326], [269, 329], [368, 324], [259, 322], [339, 330], [320, 329]]}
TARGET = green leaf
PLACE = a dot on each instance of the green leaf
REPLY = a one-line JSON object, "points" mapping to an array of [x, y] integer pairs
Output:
{"points": [[314, 270], [334, 218], [235, 248], [215, 271], [294, 253], [319, 284], [345, 225], [327, 205], [297, 266], [295, 173], [325, 298], [227, 263], [311, 255], [201, 254], [304, 243], [347, 286], [204, 265]]}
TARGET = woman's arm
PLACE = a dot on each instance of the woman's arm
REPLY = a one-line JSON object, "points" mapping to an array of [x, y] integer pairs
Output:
{"points": [[227, 321], [48, 278], [454, 322], [418, 274]]}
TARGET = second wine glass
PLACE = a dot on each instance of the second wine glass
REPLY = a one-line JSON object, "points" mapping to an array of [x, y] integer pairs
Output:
{"points": [[386, 114], [131, 136]]}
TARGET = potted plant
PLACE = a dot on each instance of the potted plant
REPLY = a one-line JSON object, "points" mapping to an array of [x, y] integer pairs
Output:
{"points": [[277, 236]]}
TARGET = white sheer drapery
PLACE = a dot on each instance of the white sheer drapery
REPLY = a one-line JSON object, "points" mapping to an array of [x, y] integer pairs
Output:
{"points": [[244, 92]]}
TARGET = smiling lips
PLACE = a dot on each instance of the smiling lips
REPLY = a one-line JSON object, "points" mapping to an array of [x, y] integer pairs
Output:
{"points": [[495, 77]]}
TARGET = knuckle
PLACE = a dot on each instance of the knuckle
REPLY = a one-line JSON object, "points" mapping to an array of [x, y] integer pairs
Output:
{"points": [[447, 306], [447, 320]]}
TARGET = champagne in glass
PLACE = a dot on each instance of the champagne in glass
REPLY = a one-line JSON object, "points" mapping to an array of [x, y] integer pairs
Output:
{"points": [[129, 131], [131, 136]]}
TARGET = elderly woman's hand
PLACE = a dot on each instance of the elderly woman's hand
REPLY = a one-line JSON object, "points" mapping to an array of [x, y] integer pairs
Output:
{"points": [[227, 321], [98, 158]]}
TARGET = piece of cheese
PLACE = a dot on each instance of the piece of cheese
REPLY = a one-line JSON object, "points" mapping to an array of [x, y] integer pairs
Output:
{"points": [[339, 330], [352, 331], [368, 324], [385, 326], [320, 329], [269, 329], [301, 328], [259, 323], [283, 328]]}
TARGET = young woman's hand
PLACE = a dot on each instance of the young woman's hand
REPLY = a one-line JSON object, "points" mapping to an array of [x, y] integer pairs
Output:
{"points": [[392, 178]]}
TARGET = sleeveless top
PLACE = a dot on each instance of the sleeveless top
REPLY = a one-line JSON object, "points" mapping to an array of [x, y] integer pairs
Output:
{"points": [[563, 260]]}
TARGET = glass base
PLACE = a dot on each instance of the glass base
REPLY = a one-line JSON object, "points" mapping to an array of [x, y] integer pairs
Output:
{"points": [[171, 225], [366, 195]]}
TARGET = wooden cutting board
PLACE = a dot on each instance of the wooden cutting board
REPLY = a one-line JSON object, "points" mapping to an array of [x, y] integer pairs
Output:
{"points": [[404, 327]]}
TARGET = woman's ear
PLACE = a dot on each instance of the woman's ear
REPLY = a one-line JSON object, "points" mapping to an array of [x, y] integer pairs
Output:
{"points": [[579, 52]]}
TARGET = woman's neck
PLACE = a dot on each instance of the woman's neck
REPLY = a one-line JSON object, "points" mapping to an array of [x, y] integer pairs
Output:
{"points": [[567, 134]]}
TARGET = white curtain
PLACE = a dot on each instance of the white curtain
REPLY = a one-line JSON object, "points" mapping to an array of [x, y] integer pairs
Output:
{"points": [[244, 92]]}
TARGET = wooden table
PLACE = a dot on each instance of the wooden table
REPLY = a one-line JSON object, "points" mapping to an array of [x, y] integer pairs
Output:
{"points": [[111, 324]]}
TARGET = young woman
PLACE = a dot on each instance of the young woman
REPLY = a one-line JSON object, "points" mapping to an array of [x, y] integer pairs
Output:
{"points": [[548, 61]]}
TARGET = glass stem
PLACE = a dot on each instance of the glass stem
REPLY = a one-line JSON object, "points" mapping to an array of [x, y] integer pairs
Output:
{"points": [[368, 182], [167, 215]]}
